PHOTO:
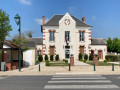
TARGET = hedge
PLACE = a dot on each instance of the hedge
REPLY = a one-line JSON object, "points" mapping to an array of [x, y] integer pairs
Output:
{"points": [[113, 58]]}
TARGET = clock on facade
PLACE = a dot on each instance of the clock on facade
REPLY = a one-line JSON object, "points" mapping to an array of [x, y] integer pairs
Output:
{"points": [[67, 21]]}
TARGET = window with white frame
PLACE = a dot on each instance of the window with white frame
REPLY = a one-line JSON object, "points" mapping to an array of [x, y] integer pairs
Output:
{"points": [[52, 36], [82, 38]]}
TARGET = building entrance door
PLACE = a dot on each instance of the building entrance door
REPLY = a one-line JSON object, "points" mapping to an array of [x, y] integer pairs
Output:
{"points": [[82, 50], [67, 54], [100, 54], [52, 50]]}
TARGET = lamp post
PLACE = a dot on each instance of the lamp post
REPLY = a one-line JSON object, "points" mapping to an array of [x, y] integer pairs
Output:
{"points": [[17, 20]]}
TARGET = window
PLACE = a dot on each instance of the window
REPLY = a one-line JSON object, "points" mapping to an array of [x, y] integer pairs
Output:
{"points": [[67, 35], [39, 52], [81, 36], [52, 36]]}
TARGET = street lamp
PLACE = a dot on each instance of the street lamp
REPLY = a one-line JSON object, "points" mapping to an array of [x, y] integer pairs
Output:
{"points": [[17, 20]]}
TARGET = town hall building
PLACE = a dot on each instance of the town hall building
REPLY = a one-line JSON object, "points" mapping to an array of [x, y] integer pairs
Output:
{"points": [[67, 35]]}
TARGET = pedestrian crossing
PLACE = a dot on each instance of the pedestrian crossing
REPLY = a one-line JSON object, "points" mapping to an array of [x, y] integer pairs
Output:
{"points": [[78, 82]]}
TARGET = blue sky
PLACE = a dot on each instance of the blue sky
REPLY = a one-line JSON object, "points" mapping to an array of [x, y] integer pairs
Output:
{"points": [[103, 15]]}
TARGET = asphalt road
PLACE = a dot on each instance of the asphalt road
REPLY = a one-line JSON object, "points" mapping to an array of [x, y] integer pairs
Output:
{"points": [[58, 82]]}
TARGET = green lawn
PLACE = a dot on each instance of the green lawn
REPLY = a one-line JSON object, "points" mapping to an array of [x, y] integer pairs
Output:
{"points": [[100, 63], [58, 63]]}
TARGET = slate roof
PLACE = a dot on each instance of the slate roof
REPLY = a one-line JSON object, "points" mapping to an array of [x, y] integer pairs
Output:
{"points": [[33, 42], [98, 41], [54, 21], [38, 41], [30, 44]]}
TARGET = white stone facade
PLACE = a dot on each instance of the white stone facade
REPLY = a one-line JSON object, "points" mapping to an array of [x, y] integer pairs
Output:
{"points": [[74, 43]]}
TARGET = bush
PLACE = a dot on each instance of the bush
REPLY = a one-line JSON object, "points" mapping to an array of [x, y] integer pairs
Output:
{"points": [[84, 61], [90, 57], [37, 61], [47, 63], [105, 61], [85, 56], [66, 61], [57, 57], [81, 60], [46, 57], [80, 56], [51, 57], [109, 60], [40, 58], [113, 58]]}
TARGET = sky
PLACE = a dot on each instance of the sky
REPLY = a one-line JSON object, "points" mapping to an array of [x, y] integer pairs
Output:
{"points": [[103, 15]]}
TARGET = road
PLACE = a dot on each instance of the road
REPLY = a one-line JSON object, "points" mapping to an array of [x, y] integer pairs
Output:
{"points": [[61, 82]]}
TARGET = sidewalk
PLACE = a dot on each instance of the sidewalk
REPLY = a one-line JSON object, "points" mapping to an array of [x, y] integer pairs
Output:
{"points": [[49, 70]]}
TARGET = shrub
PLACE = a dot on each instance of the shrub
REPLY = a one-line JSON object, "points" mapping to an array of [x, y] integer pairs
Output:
{"points": [[40, 58], [46, 57], [109, 60], [84, 61], [47, 63], [37, 61], [105, 61], [80, 56], [51, 57], [57, 57], [81, 60], [85, 56], [66, 61], [113, 58], [90, 57]]}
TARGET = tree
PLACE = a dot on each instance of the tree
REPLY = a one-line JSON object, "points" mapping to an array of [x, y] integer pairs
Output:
{"points": [[24, 39], [29, 34], [5, 26], [113, 45]]}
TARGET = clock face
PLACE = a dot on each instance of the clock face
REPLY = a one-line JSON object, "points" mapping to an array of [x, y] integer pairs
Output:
{"points": [[67, 21]]}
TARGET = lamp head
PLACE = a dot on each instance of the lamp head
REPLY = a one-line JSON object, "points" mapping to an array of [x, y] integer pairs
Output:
{"points": [[17, 19]]}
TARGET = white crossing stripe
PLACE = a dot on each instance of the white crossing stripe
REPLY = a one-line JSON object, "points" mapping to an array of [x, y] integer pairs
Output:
{"points": [[2, 77], [80, 87], [81, 81], [77, 75], [78, 78]]}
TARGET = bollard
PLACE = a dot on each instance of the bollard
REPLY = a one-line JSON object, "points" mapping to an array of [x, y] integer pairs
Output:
{"points": [[39, 67], [4, 68], [94, 67], [113, 67], [69, 66]]}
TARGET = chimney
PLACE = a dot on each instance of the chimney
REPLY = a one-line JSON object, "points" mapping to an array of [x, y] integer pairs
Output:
{"points": [[43, 18], [83, 19]]}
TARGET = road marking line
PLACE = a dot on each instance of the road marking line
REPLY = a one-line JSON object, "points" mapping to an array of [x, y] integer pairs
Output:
{"points": [[80, 87], [84, 73], [3, 77], [98, 81], [78, 78]]}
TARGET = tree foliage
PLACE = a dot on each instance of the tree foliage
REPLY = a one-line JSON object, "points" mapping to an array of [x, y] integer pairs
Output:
{"points": [[5, 26], [24, 39], [29, 34], [113, 45]]}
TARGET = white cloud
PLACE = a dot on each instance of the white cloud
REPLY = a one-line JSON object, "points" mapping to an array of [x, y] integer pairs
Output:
{"points": [[93, 17], [27, 2], [40, 21]]}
